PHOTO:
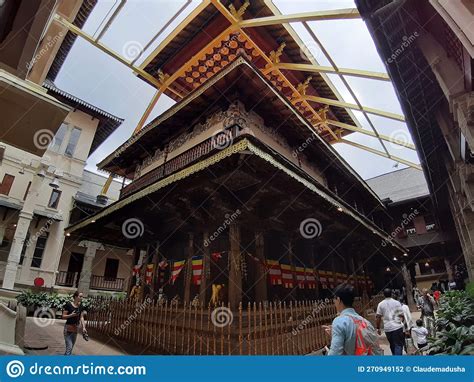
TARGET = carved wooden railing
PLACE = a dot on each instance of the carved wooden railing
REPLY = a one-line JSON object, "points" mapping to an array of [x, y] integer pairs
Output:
{"points": [[214, 143]]}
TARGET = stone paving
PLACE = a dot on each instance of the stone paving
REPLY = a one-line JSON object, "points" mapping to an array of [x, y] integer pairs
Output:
{"points": [[38, 335]]}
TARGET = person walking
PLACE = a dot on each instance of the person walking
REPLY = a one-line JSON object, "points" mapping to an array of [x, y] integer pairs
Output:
{"points": [[391, 312], [426, 304], [351, 334], [74, 313], [420, 333]]}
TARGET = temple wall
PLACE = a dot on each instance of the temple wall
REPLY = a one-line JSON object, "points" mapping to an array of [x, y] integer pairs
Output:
{"points": [[215, 124]]}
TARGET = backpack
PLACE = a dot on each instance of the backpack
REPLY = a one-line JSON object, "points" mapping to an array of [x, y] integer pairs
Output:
{"points": [[367, 342]]}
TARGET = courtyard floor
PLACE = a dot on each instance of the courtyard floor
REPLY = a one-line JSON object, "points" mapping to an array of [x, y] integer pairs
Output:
{"points": [[38, 336]]}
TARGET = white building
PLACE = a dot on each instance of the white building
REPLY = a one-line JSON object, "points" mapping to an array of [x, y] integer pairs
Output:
{"points": [[46, 136]]}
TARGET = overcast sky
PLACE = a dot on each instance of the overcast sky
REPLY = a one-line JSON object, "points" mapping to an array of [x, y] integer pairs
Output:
{"points": [[95, 77]]}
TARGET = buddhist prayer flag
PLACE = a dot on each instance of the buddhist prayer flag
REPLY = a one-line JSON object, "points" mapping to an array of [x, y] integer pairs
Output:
{"points": [[274, 272], [287, 275], [310, 278], [149, 273], [300, 277], [197, 266], [177, 268], [323, 278]]}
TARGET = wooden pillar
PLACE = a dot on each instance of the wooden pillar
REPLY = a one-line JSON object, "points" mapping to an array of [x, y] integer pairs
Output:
{"points": [[312, 263], [189, 269], [293, 291], [206, 270], [235, 274], [353, 274], [155, 260], [408, 287], [261, 290], [449, 269]]}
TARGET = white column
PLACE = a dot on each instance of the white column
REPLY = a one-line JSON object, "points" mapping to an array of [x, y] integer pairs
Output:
{"points": [[24, 220], [86, 272], [22, 226], [2, 232]]}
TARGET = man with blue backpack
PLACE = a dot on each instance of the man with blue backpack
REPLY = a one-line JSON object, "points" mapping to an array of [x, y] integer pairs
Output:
{"points": [[351, 334]]}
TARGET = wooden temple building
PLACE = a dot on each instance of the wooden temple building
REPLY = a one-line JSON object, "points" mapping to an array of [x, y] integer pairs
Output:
{"points": [[236, 187]]}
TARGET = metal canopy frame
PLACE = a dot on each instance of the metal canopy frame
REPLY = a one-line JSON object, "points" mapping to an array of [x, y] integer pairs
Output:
{"points": [[237, 23]]}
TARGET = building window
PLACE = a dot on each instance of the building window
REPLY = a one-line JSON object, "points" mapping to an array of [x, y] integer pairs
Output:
{"points": [[111, 269], [27, 189], [54, 199], [25, 246], [39, 250], [58, 139], [6, 184], [73, 140]]}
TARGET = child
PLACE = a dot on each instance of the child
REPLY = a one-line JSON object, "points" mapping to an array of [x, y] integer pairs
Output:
{"points": [[421, 333]]}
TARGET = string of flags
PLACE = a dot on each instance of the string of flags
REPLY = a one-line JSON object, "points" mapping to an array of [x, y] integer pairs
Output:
{"points": [[278, 273]]}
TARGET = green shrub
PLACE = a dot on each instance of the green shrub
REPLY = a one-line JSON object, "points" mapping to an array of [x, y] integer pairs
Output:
{"points": [[454, 324]]}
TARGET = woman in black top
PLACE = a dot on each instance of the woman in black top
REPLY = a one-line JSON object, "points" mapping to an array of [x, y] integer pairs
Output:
{"points": [[73, 312]]}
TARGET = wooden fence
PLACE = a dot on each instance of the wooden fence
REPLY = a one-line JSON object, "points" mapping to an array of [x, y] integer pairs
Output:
{"points": [[169, 328]]}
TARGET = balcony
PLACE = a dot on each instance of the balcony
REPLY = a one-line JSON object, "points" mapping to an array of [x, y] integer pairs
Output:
{"points": [[71, 279], [107, 283], [182, 160], [67, 279]]}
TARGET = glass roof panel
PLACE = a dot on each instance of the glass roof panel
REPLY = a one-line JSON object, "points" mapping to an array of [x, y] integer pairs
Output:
{"points": [[376, 94], [349, 44], [366, 164]]}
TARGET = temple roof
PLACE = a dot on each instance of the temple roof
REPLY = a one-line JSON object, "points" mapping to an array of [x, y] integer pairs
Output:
{"points": [[258, 186], [242, 81], [401, 185], [208, 24]]}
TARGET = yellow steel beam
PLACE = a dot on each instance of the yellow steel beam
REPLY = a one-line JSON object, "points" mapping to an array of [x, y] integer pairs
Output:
{"points": [[79, 32], [235, 23], [381, 153], [107, 184], [330, 69], [196, 11], [372, 134], [336, 14], [148, 110], [333, 102]]}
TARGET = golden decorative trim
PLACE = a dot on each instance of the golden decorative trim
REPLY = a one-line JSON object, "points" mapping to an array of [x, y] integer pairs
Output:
{"points": [[240, 146]]}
